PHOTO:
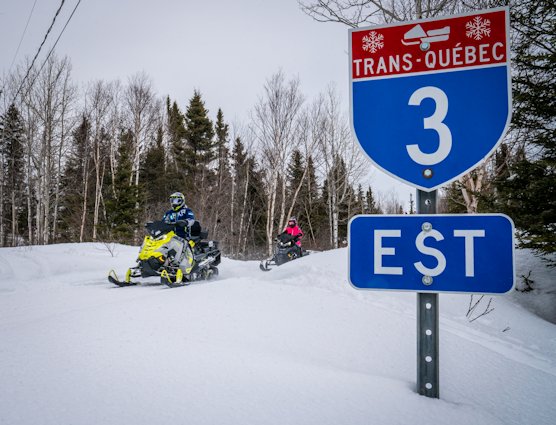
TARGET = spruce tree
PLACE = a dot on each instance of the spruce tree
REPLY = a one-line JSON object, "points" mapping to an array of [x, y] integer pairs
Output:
{"points": [[200, 145], [222, 151], [221, 197], [360, 203], [527, 189], [155, 180], [248, 207], [452, 199], [176, 140], [77, 183], [372, 206], [13, 166], [313, 216], [121, 203], [296, 169]]}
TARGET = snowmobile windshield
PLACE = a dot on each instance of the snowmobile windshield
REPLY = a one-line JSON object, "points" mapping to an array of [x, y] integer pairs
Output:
{"points": [[286, 237], [158, 228]]}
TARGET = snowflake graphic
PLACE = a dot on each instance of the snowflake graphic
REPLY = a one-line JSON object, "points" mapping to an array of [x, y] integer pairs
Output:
{"points": [[373, 42], [478, 28]]}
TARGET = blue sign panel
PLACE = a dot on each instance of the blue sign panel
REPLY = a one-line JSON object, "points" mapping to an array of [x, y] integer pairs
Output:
{"points": [[431, 99], [432, 253]]}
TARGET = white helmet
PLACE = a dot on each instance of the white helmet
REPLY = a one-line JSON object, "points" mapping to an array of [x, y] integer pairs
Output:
{"points": [[177, 201]]}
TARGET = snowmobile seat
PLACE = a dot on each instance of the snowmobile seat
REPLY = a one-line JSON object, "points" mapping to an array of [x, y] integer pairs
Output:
{"points": [[196, 232]]}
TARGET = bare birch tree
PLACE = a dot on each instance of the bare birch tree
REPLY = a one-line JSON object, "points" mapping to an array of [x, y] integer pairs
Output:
{"points": [[342, 163], [140, 113], [307, 145], [275, 127], [47, 99], [100, 98]]}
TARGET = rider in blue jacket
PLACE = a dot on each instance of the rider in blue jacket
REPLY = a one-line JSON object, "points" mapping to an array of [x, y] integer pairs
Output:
{"points": [[180, 214]]}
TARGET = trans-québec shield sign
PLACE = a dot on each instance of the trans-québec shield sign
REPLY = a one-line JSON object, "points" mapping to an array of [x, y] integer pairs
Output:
{"points": [[431, 99]]}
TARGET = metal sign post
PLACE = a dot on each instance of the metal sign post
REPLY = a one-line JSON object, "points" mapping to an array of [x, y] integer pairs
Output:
{"points": [[431, 253], [428, 380]]}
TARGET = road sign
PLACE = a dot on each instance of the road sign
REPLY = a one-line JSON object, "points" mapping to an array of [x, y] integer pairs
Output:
{"points": [[431, 99], [432, 253]]}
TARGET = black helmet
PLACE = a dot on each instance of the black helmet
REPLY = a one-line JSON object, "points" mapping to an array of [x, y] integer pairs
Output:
{"points": [[177, 200]]}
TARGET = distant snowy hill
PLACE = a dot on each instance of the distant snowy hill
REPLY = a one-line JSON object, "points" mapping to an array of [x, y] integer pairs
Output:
{"points": [[297, 345]]}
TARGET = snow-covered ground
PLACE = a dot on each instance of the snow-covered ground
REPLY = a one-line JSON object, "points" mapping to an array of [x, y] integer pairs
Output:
{"points": [[297, 345]]}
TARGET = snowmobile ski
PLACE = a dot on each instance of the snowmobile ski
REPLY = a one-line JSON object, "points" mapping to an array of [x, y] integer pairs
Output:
{"points": [[173, 281], [264, 265], [113, 278]]}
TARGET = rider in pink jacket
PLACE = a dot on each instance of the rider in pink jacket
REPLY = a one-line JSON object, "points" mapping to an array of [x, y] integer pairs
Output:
{"points": [[293, 229]]}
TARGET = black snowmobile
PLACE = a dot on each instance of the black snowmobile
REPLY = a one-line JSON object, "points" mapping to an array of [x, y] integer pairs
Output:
{"points": [[284, 251], [175, 260]]}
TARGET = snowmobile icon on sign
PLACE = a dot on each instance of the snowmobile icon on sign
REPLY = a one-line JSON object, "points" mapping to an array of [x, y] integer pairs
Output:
{"points": [[417, 35], [431, 99]]}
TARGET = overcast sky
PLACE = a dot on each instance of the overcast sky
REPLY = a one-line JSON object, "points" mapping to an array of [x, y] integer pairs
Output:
{"points": [[226, 49]]}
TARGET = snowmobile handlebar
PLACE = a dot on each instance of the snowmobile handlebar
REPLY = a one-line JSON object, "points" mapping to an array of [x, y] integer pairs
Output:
{"points": [[286, 237]]}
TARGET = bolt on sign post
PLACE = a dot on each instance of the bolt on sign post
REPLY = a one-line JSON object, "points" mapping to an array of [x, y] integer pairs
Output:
{"points": [[429, 101]]}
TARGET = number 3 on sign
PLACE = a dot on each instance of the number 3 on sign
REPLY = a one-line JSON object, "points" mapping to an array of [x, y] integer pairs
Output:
{"points": [[434, 122]]}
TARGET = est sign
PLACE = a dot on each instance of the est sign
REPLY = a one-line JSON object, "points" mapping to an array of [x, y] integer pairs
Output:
{"points": [[431, 99], [432, 253]]}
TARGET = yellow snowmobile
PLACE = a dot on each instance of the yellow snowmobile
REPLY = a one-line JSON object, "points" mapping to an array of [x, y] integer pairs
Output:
{"points": [[177, 261]]}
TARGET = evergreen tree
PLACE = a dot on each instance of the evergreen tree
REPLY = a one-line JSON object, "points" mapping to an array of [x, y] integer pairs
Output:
{"points": [[154, 182], [121, 203], [222, 151], [359, 206], [256, 197], [527, 189], [296, 170], [339, 196], [200, 145], [221, 195], [239, 157], [13, 166], [247, 228], [452, 199], [176, 136], [372, 207], [313, 215], [77, 184]]}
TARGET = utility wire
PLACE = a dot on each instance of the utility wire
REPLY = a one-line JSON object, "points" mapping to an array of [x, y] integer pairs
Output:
{"points": [[38, 51], [56, 42], [22, 35], [18, 46]]}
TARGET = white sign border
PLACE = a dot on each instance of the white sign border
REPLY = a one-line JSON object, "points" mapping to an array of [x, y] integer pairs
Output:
{"points": [[425, 216]]}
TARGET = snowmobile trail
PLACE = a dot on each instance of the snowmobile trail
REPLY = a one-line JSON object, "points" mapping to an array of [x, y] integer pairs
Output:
{"points": [[295, 345]]}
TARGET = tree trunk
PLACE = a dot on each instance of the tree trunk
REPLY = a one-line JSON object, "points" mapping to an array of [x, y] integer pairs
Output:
{"points": [[85, 192], [270, 212], [243, 211], [471, 187]]}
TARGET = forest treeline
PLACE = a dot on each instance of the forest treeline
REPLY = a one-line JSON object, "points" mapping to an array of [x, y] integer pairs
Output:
{"points": [[95, 162]]}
